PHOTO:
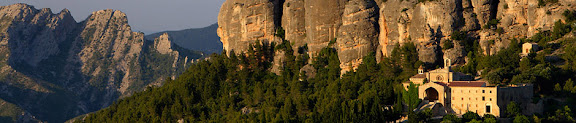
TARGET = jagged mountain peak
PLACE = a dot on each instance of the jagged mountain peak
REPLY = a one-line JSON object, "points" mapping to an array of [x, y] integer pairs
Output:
{"points": [[163, 44], [83, 66], [19, 6], [199, 39]]}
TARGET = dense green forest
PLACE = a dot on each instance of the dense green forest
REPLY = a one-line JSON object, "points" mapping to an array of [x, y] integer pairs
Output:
{"points": [[241, 88]]}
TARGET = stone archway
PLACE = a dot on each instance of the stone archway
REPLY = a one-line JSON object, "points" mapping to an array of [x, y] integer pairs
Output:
{"points": [[431, 94]]}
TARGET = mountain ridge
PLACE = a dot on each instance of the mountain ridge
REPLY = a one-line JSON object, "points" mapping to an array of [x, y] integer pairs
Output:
{"points": [[200, 39], [56, 68]]}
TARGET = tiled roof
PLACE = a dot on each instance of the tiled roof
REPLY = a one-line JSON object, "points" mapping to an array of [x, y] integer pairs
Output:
{"points": [[441, 83], [467, 84], [419, 76]]}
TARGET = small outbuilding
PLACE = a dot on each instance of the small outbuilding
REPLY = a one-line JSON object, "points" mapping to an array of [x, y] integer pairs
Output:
{"points": [[528, 48]]}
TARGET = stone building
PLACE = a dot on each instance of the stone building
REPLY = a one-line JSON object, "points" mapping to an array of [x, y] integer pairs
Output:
{"points": [[448, 92], [527, 48]]}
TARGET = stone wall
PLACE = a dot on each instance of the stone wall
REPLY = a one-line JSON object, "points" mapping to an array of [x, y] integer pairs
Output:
{"points": [[463, 99]]}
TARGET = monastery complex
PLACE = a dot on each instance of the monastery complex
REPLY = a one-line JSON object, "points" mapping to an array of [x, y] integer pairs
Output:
{"points": [[448, 92]]}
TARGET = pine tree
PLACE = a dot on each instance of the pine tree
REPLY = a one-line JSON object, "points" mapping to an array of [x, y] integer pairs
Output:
{"points": [[557, 87], [569, 85]]}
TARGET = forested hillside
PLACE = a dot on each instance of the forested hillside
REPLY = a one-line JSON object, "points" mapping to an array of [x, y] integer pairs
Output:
{"points": [[241, 88]]}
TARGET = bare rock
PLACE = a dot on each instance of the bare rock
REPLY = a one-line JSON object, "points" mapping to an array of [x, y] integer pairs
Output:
{"points": [[294, 22], [358, 35], [242, 22], [163, 44], [34, 35], [367, 26], [48, 59], [323, 19]]}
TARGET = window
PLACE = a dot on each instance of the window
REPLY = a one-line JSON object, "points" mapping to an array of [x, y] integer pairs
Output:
{"points": [[488, 108], [483, 98], [490, 99], [483, 91], [490, 91], [439, 78], [462, 98]]}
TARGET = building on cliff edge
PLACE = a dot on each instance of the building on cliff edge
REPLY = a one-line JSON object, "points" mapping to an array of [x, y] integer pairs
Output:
{"points": [[448, 92]]}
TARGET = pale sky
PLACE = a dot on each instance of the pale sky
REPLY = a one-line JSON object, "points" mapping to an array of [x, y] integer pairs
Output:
{"points": [[143, 15]]}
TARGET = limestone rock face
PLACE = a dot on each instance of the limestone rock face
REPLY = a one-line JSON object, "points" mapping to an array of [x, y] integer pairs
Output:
{"points": [[323, 19], [393, 21], [364, 26], [294, 22], [432, 22], [41, 31], [457, 55], [55, 68], [107, 33], [163, 44], [358, 35], [424, 24], [242, 22], [484, 10], [522, 19]]}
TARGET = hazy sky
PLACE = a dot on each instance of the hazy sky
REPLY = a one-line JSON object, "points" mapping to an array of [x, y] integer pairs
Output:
{"points": [[143, 15]]}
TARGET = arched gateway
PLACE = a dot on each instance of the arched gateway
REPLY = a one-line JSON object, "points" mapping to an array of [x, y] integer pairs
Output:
{"points": [[431, 95], [432, 92]]}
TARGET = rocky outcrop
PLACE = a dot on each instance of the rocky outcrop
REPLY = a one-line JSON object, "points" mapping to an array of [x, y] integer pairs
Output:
{"points": [[294, 22], [56, 68], [358, 34], [363, 26], [204, 39], [242, 22], [40, 32], [522, 19], [323, 19], [425, 24], [163, 44]]}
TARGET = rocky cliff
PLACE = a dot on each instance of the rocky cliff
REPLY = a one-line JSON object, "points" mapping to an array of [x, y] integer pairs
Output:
{"points": [[363, 26], [56, 68], [204, 39]]}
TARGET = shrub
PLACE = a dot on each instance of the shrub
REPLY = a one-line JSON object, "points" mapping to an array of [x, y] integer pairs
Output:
{"points": [[500, 30], [546, 2], [492, 24], [469, 116], [521, 119], [447, 45], [569, 15], [513, 109], [451, 117]]}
